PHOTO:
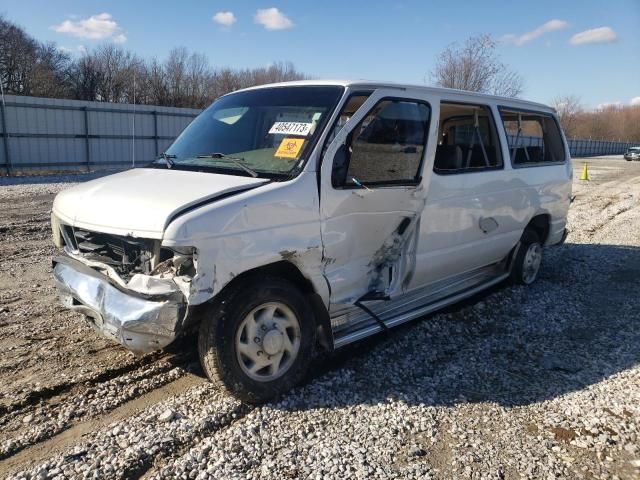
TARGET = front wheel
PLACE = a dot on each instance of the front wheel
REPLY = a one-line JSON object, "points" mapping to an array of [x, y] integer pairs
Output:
{"points": [[528, 258], [258, 340]]}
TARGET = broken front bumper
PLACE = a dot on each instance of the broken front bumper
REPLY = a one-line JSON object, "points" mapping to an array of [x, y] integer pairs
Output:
{"points": [[140, 323]]}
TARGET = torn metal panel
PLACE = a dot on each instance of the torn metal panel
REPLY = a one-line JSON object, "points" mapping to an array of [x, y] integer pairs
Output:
{"points": [[142, 324], [231, 238], [393, 262], [364, 247], [165, 279]]}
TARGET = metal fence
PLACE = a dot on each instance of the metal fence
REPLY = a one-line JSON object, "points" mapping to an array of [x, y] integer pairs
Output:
{"points": [[45, 134], [591, 148], [577, 146]]}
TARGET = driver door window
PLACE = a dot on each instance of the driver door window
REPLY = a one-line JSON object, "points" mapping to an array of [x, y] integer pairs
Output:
{"points": [[386, 147]]}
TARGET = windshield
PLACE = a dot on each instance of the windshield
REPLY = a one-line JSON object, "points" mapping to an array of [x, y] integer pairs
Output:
{"points": [[270, 131], [634, 150]]}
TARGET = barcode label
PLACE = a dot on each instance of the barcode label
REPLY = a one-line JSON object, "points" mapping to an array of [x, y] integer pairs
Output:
{"points": [[291, 128]]}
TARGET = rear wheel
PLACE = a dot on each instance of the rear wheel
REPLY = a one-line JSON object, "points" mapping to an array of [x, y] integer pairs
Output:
{"points": [[258, 341], [528, 258]]}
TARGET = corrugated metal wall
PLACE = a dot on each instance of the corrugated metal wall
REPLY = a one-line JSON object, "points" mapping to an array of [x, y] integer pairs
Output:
{"points": [[580, 147], [46, 134]]}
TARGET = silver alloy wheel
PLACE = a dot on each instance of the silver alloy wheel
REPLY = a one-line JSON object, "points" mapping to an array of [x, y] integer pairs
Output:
{"points": [[267, 341], [531, 263]]}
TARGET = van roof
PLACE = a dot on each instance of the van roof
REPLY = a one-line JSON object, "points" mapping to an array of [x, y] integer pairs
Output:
{"points": [[450, 92]]}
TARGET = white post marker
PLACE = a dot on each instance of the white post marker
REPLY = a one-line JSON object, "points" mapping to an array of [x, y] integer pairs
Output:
{"points": [[133, 124]]}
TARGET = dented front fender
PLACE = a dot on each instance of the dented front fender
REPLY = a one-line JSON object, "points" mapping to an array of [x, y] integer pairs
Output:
{"points": [[275, 222]]}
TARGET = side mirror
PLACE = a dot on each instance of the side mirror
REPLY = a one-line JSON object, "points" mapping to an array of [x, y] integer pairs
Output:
{"points": [[340, 166]]}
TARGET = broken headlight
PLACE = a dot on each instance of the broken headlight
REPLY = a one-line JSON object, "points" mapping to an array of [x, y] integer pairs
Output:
{"points": [[177, 261]]}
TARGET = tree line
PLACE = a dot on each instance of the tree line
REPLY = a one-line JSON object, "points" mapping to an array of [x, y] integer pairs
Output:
{"points": [[611, 122], [110, 73]]}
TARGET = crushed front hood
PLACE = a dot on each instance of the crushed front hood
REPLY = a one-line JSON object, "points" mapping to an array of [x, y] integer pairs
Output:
{"points": [[140, 202]]}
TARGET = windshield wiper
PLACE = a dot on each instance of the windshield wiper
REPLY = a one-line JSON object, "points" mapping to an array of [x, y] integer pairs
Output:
{"points": [[239, 162], [167, 157]]}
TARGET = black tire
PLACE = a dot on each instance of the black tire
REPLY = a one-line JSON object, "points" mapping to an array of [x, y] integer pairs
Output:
{"points": [[521, 267], [219, 328]]}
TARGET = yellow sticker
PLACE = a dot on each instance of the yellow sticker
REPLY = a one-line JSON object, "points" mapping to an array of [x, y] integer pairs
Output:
{"points": [[289, 148]]}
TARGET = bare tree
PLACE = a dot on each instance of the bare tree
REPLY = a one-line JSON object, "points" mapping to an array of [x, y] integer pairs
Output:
{"points": [[175, 70], [85, 78], [116, 66], [49, 73], [198, 81], [226, 80], [569, 111], [475, 66], [17, 58]]}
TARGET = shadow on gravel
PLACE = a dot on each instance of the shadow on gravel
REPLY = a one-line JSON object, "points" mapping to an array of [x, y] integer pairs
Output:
{"points": [[512, 345]]}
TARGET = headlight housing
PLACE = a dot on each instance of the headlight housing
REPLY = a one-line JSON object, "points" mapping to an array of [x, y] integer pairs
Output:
{"points": [[55, 231]]}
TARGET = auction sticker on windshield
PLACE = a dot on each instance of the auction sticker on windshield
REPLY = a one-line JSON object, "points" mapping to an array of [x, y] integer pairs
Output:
{"points": [[289, 148], [291, 128]]}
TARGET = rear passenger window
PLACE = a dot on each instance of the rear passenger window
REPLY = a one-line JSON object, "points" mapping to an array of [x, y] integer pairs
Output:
{"points": [[533, 138], [388, 144], [467, 140]]}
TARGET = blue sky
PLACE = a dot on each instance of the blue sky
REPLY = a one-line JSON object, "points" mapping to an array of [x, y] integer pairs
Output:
{"points": [[587, 48]]}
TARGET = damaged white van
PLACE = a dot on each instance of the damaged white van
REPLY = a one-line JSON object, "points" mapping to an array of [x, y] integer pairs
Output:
{"points": [[313, 213]]}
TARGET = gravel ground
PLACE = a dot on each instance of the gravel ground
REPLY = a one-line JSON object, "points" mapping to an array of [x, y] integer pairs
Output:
{"points": [[518, 382]]}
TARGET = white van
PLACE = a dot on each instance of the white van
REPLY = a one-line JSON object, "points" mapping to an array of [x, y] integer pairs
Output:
{"points": [[313, 213]]}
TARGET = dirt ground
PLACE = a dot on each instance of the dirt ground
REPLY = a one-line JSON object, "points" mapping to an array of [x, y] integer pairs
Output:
{"points": [[63, 388]]}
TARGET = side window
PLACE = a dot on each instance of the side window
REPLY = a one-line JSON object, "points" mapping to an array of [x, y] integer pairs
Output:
{"points": [[387, 146], [467, 139], [534, 138]]}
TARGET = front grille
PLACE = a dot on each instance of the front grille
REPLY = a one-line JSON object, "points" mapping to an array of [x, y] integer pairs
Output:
{"points": [[127, 255]]}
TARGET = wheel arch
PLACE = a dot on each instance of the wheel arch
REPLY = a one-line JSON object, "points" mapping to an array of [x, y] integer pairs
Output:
{"points": [[289, 271], [541, 225]]}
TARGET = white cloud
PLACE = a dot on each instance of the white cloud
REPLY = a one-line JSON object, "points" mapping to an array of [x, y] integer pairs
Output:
{"points": [[595, 35], [272, 19], [550, 26], [77, 50], [635, 101], [605, 105], [96, 27], [224, 18]]}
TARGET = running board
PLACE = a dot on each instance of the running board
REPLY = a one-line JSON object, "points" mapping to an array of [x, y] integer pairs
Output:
{"points": [[434, 300]]}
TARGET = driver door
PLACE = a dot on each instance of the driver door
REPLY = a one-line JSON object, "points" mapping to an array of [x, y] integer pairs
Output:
{"points": [[372, 194]]}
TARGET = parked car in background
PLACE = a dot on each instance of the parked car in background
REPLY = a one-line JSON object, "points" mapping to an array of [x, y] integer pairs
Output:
{"points": [[306, 214], [632, 153]]}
